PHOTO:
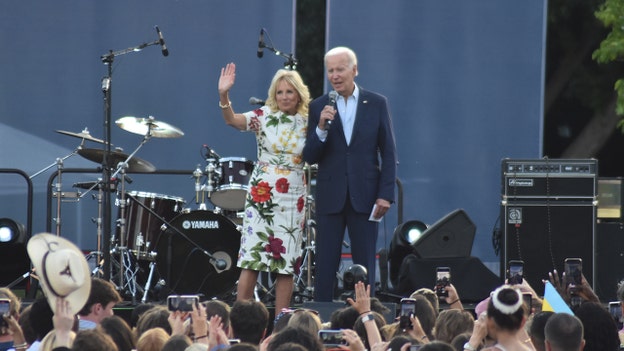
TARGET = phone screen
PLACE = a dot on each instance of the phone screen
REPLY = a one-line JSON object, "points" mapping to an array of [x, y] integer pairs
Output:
{"points": [[573, 271], [516, 272], [182, 303], [331, 338], [443, 279], [5, 307], [408, 308]]}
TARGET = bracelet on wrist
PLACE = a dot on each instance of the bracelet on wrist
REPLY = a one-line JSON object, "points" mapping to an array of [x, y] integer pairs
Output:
{"points": [[365, 312], [228, 105], [200, 337], [368, 317], [456, 301]]}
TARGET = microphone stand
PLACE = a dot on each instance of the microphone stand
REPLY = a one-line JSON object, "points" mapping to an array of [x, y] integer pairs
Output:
{"points": [[291, 61], [108, 59]]}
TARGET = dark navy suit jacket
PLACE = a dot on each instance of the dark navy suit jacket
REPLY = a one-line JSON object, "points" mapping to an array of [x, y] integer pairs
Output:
{"points": [[366, 167]]}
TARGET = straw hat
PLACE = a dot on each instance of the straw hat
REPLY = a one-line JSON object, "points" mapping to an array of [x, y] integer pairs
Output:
{"points": [[62, 269]]}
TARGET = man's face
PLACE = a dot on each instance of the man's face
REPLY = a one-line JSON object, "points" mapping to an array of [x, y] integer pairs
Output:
{"points": [[340, 75]]}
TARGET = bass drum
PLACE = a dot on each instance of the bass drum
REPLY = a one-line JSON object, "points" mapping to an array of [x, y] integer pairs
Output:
{"points": [[182, 261]]}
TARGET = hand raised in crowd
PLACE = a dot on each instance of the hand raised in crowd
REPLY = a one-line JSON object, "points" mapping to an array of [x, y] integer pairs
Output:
{"points": [[216, 335], [354, 343], [453, 298], [585, 291], [417, 332], [15, 330], [63, 321], [176, 321], [479, 331], [362, 302], [200, 323]]}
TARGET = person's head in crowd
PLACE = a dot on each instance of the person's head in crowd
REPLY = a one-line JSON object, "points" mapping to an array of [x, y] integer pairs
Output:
{"points": [[437, 346], [506, 310], [281, 320], [221, 309], [152, 340], [40, 318], [599, 327], [431, 296], [451, 323], [563, 332], [344, 318], [176, 343], [377, 306], [102, 298], [117, 328], [398, 341], [93, 340], [14, 306], [425, 313], [360, 329], [290, 346], [157, 317], [243, 346], [460, 340], [306, 319], [535, 329], [249, 321], [138, 311], [25, 323], [296, 335]]}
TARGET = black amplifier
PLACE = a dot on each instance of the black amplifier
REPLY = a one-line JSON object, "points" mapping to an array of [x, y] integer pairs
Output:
{"points": [[552, 179]]}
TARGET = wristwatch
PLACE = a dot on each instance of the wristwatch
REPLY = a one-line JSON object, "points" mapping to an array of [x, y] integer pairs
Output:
{"points": [[469, 347], [368, 317]]}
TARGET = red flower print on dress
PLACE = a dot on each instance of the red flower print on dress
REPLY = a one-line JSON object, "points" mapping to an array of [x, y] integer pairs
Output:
{"points": [[282, 185], [300, 204], [275, 247], [254, 124], [261, 192]]}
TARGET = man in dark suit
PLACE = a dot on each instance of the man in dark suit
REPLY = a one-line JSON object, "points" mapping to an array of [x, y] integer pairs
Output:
{"points": [[352, 141]]}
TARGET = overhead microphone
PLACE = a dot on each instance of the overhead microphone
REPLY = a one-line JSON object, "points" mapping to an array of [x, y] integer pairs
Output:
{"points": [[333, 96], [261, 44], [255, 101], [161, 41]]}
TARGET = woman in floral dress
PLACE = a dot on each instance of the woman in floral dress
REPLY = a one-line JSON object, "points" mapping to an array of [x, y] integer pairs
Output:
{"points": [[274, 208]]}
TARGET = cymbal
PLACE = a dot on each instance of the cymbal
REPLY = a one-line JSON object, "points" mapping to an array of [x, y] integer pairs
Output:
{"points": [[82, 135], [157, 129], [134, 165]]}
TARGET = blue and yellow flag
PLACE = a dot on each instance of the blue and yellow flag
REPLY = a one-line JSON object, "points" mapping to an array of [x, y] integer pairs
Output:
{"points": [[553, 301]]}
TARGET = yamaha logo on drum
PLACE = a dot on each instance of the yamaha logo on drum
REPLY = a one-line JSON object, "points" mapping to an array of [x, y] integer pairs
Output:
{"points": [[200, 224]]}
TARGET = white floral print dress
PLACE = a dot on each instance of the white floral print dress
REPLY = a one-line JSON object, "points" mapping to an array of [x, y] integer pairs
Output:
{"points": [[274, 207]]}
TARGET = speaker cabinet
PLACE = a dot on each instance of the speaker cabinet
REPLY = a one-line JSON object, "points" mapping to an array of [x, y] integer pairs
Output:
{"points": [[451, 236], [609, 259], [544, 234]]}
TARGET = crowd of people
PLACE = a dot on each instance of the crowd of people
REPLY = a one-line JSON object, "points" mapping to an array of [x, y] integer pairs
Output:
{"points": [[501, 322]]}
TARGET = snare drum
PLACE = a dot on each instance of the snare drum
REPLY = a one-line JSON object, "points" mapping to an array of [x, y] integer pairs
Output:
{"points": [[231, 192], [142, 226]]}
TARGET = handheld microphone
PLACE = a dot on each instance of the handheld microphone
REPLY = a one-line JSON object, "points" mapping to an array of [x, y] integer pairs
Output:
{"points": [[261, 44], [161, 41], [255, 101], [333, 96]]}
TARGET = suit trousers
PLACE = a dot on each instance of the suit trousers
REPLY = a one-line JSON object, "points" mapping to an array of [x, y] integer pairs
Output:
{"points": [[329, 238]]}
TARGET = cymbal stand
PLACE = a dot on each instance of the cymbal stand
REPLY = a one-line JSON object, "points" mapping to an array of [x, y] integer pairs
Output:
{"points": [[309, 249], [58, 185]]}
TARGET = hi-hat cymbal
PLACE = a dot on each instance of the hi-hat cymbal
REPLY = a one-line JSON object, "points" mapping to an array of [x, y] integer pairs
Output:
{"points": [[157, 129], [134, 165], [83, 135]]}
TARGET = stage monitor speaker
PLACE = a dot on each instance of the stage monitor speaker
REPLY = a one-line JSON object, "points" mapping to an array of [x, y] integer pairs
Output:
{"points": [[451, 236], [609, 259], [544, 234]]}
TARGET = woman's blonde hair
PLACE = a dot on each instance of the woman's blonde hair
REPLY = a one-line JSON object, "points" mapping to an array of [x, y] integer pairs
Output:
{"points": [[293, 78]]}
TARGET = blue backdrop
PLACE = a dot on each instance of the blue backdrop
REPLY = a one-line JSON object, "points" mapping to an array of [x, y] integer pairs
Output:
{"points": [[464, 81]]}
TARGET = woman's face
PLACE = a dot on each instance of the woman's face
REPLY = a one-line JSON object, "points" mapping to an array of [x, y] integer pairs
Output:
{"points": [[287, 97]]}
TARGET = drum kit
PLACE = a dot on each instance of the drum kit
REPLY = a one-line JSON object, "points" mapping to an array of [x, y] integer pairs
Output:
{"points": [[159, 241]]}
